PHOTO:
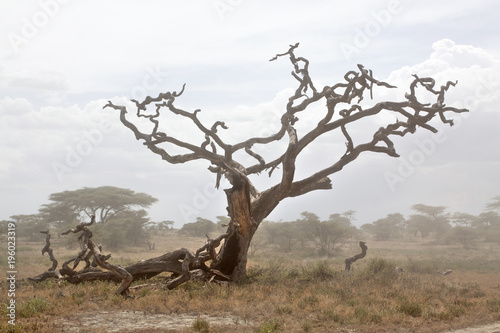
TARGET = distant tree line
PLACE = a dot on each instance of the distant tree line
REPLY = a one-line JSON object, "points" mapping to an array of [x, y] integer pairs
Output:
{"points": [[308, 234], [123, 221], [433, 222]]}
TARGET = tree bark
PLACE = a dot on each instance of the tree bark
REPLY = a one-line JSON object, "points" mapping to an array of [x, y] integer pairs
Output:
{"points": [[232, 259]]}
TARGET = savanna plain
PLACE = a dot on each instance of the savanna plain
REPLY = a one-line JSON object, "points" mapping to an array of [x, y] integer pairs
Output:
{"points": [[397, 287]]}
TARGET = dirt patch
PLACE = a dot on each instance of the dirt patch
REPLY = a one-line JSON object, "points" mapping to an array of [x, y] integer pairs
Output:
{"points": [[132, 321], [492, 328], [138, 321]]}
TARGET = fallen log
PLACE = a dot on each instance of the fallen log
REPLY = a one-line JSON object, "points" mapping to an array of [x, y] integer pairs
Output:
{"points": [[183, 264]]}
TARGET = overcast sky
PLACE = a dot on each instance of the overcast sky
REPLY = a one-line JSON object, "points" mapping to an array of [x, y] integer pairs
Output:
{"points": [[61, 61]]}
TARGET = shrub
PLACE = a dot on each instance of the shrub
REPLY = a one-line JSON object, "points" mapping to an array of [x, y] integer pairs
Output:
{"points": [[329, 315], [270, 326], [284, 309], [78, 297], [381, 271], [455, 310], [311, 301], [413, 309], [306, 326], [201, 325], [494, 305], [15, 329], [365, 317], [320, 270]]}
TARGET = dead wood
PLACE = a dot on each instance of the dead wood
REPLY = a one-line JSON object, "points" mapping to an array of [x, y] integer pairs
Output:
{"points": [[341, 110], [52, 272], [351, 260], [247, 206], [182, 263]]}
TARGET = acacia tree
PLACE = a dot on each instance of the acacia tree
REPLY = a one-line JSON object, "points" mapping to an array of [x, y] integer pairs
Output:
{"points": [[105, 202], [430, 219], [247, 205]]}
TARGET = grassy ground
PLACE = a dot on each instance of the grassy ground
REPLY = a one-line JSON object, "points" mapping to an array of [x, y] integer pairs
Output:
{"points": [[283, 293]]}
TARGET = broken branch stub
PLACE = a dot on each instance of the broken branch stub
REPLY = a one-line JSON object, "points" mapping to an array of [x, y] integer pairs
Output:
{"points": [[351, 260]]}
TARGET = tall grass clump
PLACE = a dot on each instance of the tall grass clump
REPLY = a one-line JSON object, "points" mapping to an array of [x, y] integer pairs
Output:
{"points": [[270, 326], [201, 325], [494, 305], [410, 308], [319, 270], [274, 273], [364, 316], [381, 271], [423, 266]]}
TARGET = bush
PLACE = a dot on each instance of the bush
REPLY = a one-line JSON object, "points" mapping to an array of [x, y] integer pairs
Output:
{"points": [[365, 317], [320, 270], [413, 309], [201, 325], [494, 305], [270, 326], [455, 310], [381, 271]]}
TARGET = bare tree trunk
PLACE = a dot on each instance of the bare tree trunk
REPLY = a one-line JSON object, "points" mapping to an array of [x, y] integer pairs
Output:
{"points": [[351, 260], [232, 259]]}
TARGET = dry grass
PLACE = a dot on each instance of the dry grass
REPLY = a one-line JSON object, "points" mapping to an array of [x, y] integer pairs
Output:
{"points": [[284, 295]]}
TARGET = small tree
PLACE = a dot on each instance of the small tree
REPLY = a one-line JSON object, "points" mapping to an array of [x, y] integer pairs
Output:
{"points": [[463, 235], [463, 219], [199, 228], [494, 204], [326, 235], [247, 205], [126, 228], [392, 226], [430, 219], [488, 225], [30, 225]]}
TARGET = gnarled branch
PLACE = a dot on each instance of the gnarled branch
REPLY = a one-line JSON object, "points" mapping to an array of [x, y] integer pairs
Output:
{"points": [[351, 260]]}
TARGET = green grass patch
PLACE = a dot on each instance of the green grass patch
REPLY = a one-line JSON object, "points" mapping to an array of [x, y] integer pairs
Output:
{"points": [[33, 307]]}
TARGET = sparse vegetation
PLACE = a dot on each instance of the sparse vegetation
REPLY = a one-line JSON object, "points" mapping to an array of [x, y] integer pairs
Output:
{"points": [[281, 294]]}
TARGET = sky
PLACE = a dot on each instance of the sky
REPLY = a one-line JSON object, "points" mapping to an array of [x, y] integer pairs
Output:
{"points": [[62, 60]]}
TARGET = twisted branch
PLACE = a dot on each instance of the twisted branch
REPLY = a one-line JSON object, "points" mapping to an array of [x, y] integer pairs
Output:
{"points": [[351, 260], [410, 115]]}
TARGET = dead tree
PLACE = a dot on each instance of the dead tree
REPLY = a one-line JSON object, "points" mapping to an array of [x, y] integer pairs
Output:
{"points": [[247, 205], [52, 271], [351, 260], [86, 244], [182, 263]]}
